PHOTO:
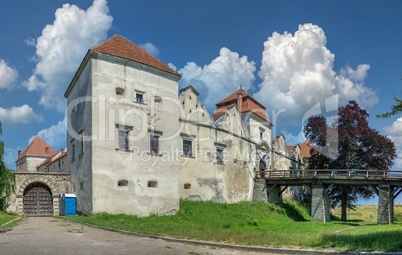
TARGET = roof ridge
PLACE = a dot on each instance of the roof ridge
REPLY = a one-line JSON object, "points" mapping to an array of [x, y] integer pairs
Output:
{"points": [[144, 57]]}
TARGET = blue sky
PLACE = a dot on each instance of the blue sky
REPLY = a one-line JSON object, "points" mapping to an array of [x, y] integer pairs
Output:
{"points": [[290, 55]]}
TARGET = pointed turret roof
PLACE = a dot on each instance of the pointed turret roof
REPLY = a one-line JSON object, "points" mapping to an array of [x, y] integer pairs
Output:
{"points": [[119, 46], [39, 148]]}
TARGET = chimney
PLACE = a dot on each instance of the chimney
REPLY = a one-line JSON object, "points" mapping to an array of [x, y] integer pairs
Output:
{"points": [[47, 150], [239, 101], [19, 154]]}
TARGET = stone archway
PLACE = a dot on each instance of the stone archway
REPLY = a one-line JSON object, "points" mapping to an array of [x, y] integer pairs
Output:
{"points": [[37, 200], [50, 183]]}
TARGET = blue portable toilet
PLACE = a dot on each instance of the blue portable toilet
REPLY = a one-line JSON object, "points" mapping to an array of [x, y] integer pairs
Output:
{"points": [[70, 205]]}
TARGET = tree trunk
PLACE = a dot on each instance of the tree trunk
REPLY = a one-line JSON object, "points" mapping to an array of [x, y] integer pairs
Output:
{"points": [[344, 205]]}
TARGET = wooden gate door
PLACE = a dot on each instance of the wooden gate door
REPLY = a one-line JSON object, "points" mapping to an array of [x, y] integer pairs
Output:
{"points": [[38, 200]]}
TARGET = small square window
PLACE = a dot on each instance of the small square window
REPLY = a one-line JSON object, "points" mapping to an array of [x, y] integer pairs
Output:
{"points": [[139, 97], [187, 148]]}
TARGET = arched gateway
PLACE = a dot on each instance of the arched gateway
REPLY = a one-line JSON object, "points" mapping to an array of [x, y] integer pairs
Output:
{"points": [[37, 200]]}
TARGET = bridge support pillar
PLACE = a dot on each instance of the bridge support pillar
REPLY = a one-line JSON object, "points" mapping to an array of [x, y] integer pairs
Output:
{"points": [[320, 204], [385, 205], [260, 190], [274, 194]]}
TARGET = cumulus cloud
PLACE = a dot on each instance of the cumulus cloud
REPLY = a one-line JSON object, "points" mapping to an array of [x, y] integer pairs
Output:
{"points": [[225, 74], [150, 48], [172, 66], [297, 72], [394, 132], [8, 75], [62, 46], [55, 135], [293, 139], [18, 114]]}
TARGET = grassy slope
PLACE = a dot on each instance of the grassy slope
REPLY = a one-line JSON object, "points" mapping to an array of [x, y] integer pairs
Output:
{"points": [[260, 224], [5, 217]]}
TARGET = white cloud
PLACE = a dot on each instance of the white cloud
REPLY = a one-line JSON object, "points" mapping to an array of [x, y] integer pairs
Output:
{"points": [[293, 139], [172, 66], [357, 75], [55, 135], [225, 74], [8, 75], [297, 72], [30, 41], [18, 114], [394, 132], [62, 46], [150, 48]]}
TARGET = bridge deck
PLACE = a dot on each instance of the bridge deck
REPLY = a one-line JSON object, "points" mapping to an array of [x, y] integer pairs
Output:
{"points": [[332, 176]]}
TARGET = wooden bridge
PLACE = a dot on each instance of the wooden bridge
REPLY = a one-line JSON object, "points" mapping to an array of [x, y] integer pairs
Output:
{"points": [[387, 184]]}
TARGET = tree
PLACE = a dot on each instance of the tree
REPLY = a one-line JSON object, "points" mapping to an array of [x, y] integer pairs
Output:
{"points": [[395, 109], [7, 179], [358, 147]]}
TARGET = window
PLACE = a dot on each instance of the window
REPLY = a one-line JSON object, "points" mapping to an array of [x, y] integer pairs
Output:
{"points": [[152, 184], [122, 183], [157, 99], [187, 148], [72, 150], [154, 144], [220, 147], [219, 155], [82, 142], [154, 141], [119, 91], [123, 136], [123, 140], [262, 131], [139, 97]]}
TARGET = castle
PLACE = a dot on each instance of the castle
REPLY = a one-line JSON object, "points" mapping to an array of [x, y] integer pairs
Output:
{"points": [[135, 146]]}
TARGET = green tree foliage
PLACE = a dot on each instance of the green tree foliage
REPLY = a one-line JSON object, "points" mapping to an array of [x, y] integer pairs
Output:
{"points": [[358, 147], [7, 179], [395, 109]]}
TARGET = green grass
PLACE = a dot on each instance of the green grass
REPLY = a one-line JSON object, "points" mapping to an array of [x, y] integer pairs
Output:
{"points": [[263, 224], [6, 217]]}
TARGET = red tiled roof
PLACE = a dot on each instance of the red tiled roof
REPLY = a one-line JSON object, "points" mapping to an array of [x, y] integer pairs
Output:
{"points": [[119, 46], [305, 149], [54, 157], [290, 148], [38, 147], [249, 104]]}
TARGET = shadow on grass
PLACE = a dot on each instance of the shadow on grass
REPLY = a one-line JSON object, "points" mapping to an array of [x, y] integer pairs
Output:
{"points": [[390, 241], [294, 212]]}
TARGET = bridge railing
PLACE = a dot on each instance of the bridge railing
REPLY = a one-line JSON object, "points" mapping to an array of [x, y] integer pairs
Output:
{"points": [[330, 173]]}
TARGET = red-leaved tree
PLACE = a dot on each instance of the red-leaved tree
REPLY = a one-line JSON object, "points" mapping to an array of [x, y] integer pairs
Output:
{"points": [[358, 146]]}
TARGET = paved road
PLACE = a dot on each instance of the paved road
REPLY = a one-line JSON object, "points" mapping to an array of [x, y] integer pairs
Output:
{"points": [[43, 235]]}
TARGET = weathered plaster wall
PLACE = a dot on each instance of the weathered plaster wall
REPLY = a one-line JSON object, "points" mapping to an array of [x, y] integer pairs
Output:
{"points": [[152, 180], [201, 177], [79, 123]]}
